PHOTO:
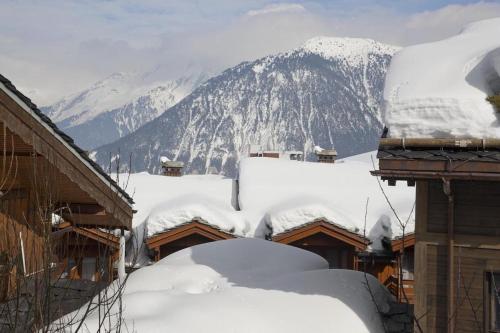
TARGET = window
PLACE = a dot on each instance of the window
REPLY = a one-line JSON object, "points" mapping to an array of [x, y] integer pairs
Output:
{"points": [[494, 301], [408, 266]]}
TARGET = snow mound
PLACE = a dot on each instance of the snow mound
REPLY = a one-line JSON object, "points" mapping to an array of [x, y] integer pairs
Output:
{"points": [[248, 285], [439, 89], [380, 233], [183, 209], [281, 195], [297, 212], [353, 50]]}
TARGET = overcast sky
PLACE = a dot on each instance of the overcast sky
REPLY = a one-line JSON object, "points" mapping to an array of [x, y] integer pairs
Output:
{"points": [[54, 47]]}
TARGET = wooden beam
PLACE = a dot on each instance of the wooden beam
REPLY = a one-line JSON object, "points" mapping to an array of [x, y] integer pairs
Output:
{"points": [[409, 241], [60, 232], [470, 143], [424, 175], [100, 220], [472, 167], [99, 236], [421, 285], [184, 230], [81, 208], [447, 188], [327, 228]]}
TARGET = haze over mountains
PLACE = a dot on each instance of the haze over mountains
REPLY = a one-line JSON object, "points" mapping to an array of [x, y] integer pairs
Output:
{"points": [[119, 104], [327, 92]]}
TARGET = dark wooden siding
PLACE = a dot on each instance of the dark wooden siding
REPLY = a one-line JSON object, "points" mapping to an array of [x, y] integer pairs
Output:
{"points": [[471, 266], [477, 208], [437, 208]]}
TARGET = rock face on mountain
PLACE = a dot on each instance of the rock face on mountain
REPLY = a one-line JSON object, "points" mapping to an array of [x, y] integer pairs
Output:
{"points": [[117, 105], [327, 92]]}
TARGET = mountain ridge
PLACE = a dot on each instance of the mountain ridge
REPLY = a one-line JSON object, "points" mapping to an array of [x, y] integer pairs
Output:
{"points": [[313, 95]]}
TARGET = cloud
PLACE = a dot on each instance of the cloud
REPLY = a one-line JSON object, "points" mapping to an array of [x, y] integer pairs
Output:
{"points": [[277, 8], [62, 46], [449, 20]]}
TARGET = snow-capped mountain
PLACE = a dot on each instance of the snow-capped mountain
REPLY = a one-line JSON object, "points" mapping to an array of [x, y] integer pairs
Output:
{"points": [[327, 92], [118, 105]]}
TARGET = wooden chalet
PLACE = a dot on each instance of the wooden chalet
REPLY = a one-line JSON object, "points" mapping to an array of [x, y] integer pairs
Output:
{"points": [[85, 253], [337, 245], [270, 154], [44, 173], [326, 155], [404, 269], [172, 168], [393, 268], [457, 231], [186, 235]]}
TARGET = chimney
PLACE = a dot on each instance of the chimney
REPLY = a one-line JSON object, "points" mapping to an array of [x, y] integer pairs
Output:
{"points": [[171, 168], [326, 155]]}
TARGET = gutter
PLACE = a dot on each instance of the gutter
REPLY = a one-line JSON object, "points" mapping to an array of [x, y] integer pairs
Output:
{"points": [[470, 143]]}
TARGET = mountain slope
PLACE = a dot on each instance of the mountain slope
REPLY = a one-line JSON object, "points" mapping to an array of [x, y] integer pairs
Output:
{"points": [[118, 105], [325, 93]]}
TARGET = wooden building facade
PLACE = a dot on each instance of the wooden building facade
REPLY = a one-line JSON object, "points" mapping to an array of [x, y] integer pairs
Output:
{"points": [[404, 268], [335, 244], [172, 168], [44, 173], [85, 253], [183, 236], [457, 233]]}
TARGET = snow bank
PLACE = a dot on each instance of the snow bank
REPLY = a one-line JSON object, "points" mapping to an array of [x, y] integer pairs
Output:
{"points": [[281, 195], [248, 285], [166, 202], [151, 192], [439, 89], [302, 210], [173, 213]]}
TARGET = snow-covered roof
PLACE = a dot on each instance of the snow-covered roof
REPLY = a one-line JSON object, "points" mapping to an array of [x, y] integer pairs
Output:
{"points": [[186, 208], [439, 89], [285, 194], [247, 285], [275, 196], [164, 202]]}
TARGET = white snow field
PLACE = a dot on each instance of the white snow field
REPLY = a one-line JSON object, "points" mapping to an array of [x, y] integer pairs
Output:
{"points": [[439, 89], [275, 195], [248, 285]]}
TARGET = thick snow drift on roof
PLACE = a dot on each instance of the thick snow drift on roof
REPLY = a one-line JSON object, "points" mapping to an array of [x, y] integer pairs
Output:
{"points": [[302, 210], [284, 194], [439, 89], [164, 202], [152, 192], [184, 209], [248, 285]]}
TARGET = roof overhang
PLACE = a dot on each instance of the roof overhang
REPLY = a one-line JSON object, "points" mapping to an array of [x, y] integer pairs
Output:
{"points": [[196, 226], [419, 159], [324, 227], [22, 120], [400, 243]]}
